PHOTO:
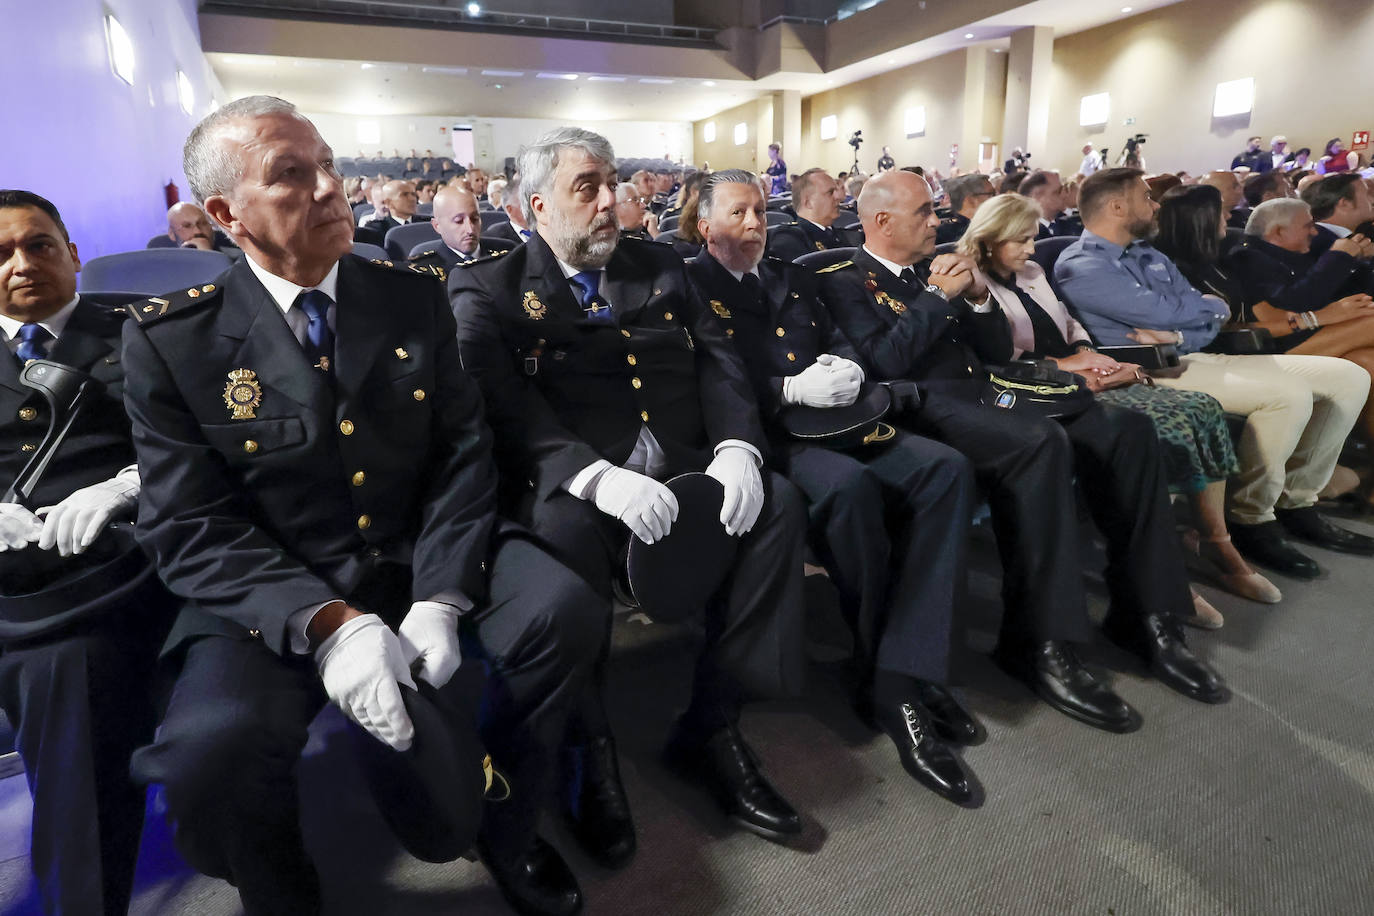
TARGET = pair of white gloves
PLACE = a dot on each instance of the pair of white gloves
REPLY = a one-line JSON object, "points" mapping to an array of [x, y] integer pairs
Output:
{"points": [[73, 524], [649, 508], [364, 663]]}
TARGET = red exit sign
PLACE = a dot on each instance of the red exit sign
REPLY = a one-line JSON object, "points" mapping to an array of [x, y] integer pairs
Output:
{"points": [[1360, 140]]}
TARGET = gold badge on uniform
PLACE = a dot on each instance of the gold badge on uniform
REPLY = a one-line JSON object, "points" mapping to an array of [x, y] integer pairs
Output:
{"points": [[820, 246], [533, 307], [243, 394], [884, 299], [719, 308]]}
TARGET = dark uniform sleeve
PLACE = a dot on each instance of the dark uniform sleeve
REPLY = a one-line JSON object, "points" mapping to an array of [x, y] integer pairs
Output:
{"points": [[548, 452], [192, 518], [458, 506], [886, 351], [787, 243]]}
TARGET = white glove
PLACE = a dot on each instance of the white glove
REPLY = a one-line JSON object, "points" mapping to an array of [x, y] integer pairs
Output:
{"points": [[18, 527], [830, 381], [429, 633], [736, 470], [645, 505], [362, 666], [73, 524]]}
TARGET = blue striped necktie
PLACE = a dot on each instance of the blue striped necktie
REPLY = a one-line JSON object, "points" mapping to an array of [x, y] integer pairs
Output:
{"points": [[33, 343], [596, 307]]}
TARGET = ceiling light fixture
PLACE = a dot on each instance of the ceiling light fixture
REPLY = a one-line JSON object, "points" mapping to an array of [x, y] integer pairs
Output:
{"points": [[474, 9], [446, 71], [968, 34], [556, 76], [655, 81], [605, 79], [1126, 9], [709, 83], [510, 73]]}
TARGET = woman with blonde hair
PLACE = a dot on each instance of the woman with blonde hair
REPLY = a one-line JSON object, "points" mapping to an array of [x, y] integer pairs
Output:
{"points": [[1190, 425]]}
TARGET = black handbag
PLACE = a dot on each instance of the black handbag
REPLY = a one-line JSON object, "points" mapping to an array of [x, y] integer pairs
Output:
{"points": [[1037, 387], [40, 591], [850, 427]]}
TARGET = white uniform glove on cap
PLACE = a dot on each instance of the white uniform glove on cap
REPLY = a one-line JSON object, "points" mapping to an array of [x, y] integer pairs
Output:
{"points": [[738, 472], [362, 667], [828, 382], [646, 506], [429, 635], [18, 527], [73, 524]]}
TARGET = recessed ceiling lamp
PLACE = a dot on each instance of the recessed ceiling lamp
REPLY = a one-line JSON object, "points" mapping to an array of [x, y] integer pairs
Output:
{"points": [[509, 73], [655, 80], [474, 9], [556, 76], [1126, 9], [605, 79], [968, 34], [709, 83], [446, 71]]}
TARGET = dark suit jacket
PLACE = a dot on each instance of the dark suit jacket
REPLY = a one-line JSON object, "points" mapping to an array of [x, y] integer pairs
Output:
{"points": [[98, 447], [901, 331], [563, 391], [505, 231], [1362, 280], [777, 337], [1289, 280], [787, 243], [951, 229], [326, 486], [1059, 227]]}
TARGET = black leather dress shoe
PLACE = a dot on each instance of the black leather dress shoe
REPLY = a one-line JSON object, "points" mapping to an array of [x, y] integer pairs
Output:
{"points": [[728, 767], [1264, 544], [952, 722], [595, 804], [929, 762], [1053, 671], [1158, 640], [537, 883], [1312, 527]]}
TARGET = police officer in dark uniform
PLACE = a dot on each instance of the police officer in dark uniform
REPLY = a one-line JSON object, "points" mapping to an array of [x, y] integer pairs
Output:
{"points": [[459, 225], [75, 671], [899, 588], [321, 484], [965, 194], [816, 197], [604, 374], [928, 321]]}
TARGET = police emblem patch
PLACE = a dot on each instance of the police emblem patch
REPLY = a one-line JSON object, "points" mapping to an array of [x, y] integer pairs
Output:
{"points": [[243, 394]]}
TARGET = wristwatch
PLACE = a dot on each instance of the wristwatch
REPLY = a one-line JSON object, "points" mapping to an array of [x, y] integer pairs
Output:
{"points": [[932, 288]]}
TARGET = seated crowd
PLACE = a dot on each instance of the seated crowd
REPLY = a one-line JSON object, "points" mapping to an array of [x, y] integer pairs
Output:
{"points": [[348, 474]]}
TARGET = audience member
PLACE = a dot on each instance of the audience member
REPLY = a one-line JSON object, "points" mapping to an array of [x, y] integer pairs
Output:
{"points": [[1335, 158], [852, 186], [1045, 188], [885, 162], [82, 614], [1300, 161], [1160, 185], [400, 202], [1252, 158], [496, 190], [687, 239], [900, 590], [516, 228], [272, 579], [477, 182], [816, 198], [1279, 156], [1298, 409], [1011, 182], [931, 321], [1343, 207], [1232, 196], [590, 420], [966, 194], [777, 169], [459, 224], [1268, 185], [634, 219], [425, 191], [1198, 455], [189, 227]]}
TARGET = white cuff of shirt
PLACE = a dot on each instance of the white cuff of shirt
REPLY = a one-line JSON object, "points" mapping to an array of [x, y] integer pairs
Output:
{"points": [[583, 484], [740, 443], [299, 622]]}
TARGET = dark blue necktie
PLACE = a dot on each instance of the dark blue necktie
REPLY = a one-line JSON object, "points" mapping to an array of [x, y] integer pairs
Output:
{"points": [[597, 308], [319, 339], [33, 343]]}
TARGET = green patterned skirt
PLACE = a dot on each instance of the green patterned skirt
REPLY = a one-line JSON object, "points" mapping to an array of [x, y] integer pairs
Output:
{"points": [[1191, 427]]}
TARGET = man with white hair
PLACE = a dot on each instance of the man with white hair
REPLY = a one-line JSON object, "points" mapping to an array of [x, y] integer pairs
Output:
{"points": [[1279, 156], [189, 227], [496, 189], [329, 524], [605, 374], [400, 200], [631, 211], [1092, 160], [516, 228]]}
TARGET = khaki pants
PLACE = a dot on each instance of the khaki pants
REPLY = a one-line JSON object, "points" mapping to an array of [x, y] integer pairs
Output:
{"points": [[1298, 412]]}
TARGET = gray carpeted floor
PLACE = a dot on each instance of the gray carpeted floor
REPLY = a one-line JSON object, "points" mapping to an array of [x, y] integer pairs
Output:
{"points": [[1264, 805]]}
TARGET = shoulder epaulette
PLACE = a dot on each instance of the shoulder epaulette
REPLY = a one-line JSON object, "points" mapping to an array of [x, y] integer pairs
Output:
{"points": [[425, 254], [834, 267], [154, 308], [486, 258], [391, 264]]}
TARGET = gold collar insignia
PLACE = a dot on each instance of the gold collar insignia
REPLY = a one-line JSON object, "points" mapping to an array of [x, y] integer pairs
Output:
{"points": [[719, 308], [884, 299], [243, 394]]}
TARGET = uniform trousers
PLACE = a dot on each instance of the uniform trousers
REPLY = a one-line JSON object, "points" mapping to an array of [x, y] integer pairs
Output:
{"points": [[1025, 466], [890, 523], [754, 626], [81, 700], [1298, 411], [229, 744]]}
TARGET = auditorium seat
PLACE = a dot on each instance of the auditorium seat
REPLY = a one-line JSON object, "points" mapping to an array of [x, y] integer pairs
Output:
{"points": [[424, 209], [817, 260], [112, 298], [1047, 251], [161, 240], [778, 218], [401, 239], [347, 166], [363, 212], [372, 252], [780, 202], [492, 218], [152, 270], [847, 219], [669, 223]]}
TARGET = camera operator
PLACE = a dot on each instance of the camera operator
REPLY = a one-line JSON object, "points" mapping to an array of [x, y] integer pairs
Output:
{"points": [[1019, 161], [1131, 156]]}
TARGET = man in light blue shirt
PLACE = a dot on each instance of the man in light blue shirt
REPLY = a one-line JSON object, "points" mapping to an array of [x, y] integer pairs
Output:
{"points": [[1298, 409]]}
